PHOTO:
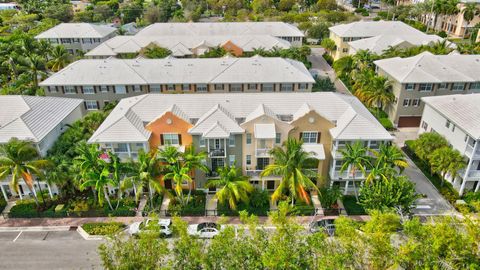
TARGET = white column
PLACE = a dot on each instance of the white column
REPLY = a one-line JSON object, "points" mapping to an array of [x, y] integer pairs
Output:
{"points": [[20, 192], [49, 191], [346, 187], [128, 150], [462, 187], [4, 193], [478, 187], [263, 184]]}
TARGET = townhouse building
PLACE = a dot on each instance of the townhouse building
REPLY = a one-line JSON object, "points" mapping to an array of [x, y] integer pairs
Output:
{"points": [[78, 38], [40, 120], [280, 30], [425, 75], [101, 81], [457, 118], [241, 130], [186, 46], [454, 25], [376, 36]]}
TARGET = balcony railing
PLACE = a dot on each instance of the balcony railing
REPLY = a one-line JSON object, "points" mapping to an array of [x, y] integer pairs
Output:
{"points": [[262, 152], [219, 152], [474, 174], [469, 151], [256, 174], [346, 175]]}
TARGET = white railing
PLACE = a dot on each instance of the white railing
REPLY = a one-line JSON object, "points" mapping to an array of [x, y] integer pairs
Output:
{"points": [[346, 175], [474, 174], [262, 152], [469, 151]]}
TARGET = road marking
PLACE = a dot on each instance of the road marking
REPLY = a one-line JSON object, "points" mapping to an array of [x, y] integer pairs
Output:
{"points": [[20, 233], [423, 207]]}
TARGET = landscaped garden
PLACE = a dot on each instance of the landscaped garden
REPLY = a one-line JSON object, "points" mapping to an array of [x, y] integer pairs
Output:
{"points": [[103, 228], [352, 206], [195, 206], [258, 204]]}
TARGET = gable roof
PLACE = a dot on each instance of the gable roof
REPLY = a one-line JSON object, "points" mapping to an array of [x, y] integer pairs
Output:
{"points": [[217, 114], [374, 28], [378, 44], [429, 68], [140, 71], [77, 30], [221, 28], [32, 117], [462, 110]]}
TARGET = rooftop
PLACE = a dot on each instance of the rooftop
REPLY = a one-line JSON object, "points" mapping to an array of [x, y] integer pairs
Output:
{"points": [[32, 117], [222, 114], [140, 71], [181, 45], [77, 30], [462, 110], [375, 28], [378, 44], [278, 29], [429, 68]]}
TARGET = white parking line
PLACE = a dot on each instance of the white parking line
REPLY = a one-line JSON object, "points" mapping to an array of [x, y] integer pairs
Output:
{"points": [[20, 233]]}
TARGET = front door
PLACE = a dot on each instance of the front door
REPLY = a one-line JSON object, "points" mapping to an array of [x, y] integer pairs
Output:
{"points": [[270, 185]]}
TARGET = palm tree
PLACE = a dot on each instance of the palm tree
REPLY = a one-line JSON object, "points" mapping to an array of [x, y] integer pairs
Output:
{"points": [[20, 159], [377, 93], [194, 160], [354, 159], [88, 163], [234, 187], [100, 183], [179, 173], [427, 143], [60, 58], [34, 66], [469, 13], [390, 156], [145, 173], [446, 160], [344, 66], [289, 161]]}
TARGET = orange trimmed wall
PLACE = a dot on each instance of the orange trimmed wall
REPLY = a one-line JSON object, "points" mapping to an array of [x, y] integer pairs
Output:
{"points": [[168, 123]]}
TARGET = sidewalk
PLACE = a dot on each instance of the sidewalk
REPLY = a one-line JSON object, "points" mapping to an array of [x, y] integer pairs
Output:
{"points": [[27, 222]]}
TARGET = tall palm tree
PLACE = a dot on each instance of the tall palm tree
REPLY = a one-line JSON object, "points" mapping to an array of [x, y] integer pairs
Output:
{"points": [[377, 93], [390, 156], [427, 143], [60, 58], [145, 174], [194, 161], [446, 160], [344, 66], [179, 173], [234, 187], [469, 12], [100, 183], [34, 66], [88, 163], [20, 159], [355, 159], [289, 161]]}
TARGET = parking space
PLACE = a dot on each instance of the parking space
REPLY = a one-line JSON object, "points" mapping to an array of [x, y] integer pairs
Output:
{"points": [[19, 236], [8, 236]]}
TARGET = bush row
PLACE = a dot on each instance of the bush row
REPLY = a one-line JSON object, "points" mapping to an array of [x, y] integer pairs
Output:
{"points": [[102, 228]]}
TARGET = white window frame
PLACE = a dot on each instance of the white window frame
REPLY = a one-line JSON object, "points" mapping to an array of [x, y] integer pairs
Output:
{"points": [[278, 138], [475, 86], [202, 142], [155, 88], [170, 137], [425, 87], [88, 90], [409, 87], [104, 88], [415, 102], [185, 87], [248, 160], [443, 86], [202, 88], [248, 138], [231, 160], [137, 88], [268, 87], [302, 86], [120, 89], [171, 87], [310, 135], [406, 102], [89, 107], [456, 88], [219, 87], [236, 87], [69, 90], [252, 86], [231, 140], [286, 87]]}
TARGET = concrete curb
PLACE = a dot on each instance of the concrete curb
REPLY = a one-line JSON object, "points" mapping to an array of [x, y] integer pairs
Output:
{"points": [[35, 228], [87, 236]]}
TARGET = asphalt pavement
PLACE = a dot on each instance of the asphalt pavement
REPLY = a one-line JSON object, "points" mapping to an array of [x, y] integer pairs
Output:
{"points": [[323, 69], [47, 250]]}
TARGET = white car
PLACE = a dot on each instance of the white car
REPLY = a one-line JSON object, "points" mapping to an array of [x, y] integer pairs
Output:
{"points": [[164, 226], [205, 230]]}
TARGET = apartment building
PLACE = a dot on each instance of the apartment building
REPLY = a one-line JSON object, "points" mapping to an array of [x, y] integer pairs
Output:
{"points": [[78, 38], [280, 30], [426, 75], [454, 25], [376, 36], [242, 129], [186, 46], [457, 118], [40, 120], [99, 82]]}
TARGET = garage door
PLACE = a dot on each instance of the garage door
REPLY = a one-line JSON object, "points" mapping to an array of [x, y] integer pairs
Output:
{"points": [[409, 121]]}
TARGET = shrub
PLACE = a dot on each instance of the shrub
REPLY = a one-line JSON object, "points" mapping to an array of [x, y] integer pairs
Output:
{"points": [[365, 14], [195, 207], [259, 199], [442, 34], [329, 196], [386, 123], [328, 58], [102, 228], [3, 204], [352, 207], [463, 208]]}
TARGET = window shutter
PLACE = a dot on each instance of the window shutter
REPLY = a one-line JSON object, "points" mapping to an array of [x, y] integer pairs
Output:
{"points": [[301, 136], [148, 88], [319, 136], [161, 139], [62, 89], [180, 139], [127, 88], [95, 89], [77, 89], [85, 104], [98, 105], [81, 89]]}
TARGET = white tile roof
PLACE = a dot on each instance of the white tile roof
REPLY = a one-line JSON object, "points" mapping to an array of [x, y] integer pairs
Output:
{"points": [[183, 44], [140, 71], [375, 28], [264, 131], [429, 68], [378, 44], [462, 110], [77, 30], [217, 114], [32, 117], [278, 29]]}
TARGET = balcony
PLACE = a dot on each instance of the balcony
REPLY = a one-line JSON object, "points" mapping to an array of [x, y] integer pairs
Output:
{"points": [[469, 151], [474, 174], [262, 152], [218, 152], [345, 175], [255, 174]]}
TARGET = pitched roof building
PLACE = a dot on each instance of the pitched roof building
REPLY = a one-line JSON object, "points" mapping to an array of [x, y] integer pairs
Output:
{"points": [[427, 75]]}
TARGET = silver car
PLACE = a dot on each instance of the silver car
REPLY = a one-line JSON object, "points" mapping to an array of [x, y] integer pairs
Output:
{"points": [[164, 225], [205, 230]]}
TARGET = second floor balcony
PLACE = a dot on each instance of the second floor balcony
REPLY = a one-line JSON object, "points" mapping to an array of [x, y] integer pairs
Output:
{"points": [[469, 151], [262, 152], [217, 152]]}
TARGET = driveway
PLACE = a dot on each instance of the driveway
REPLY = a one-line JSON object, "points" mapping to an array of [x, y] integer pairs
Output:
{"points": [[322, 68], [433, 203], [47, 250]]}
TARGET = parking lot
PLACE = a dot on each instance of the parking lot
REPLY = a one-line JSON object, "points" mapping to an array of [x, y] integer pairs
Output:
{"points": [[47, 250]]}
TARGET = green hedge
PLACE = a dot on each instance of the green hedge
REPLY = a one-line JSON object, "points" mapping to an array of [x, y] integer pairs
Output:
{"points": [[224, 210], [3, 204], [29, 210], [352, 207], [195, 207], [386, 123], [102, 228], [447, 190]]}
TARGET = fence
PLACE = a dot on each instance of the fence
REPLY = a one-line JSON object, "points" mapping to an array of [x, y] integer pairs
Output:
{"points": [[298, 211], [66, 213]]}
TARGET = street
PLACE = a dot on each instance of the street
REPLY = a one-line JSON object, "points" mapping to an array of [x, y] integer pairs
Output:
{"points": [[47, 250], [323, 69]]}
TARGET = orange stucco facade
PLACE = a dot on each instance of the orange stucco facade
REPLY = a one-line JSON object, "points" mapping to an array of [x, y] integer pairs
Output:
{"points": [[168, 123], [230, 47]]}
